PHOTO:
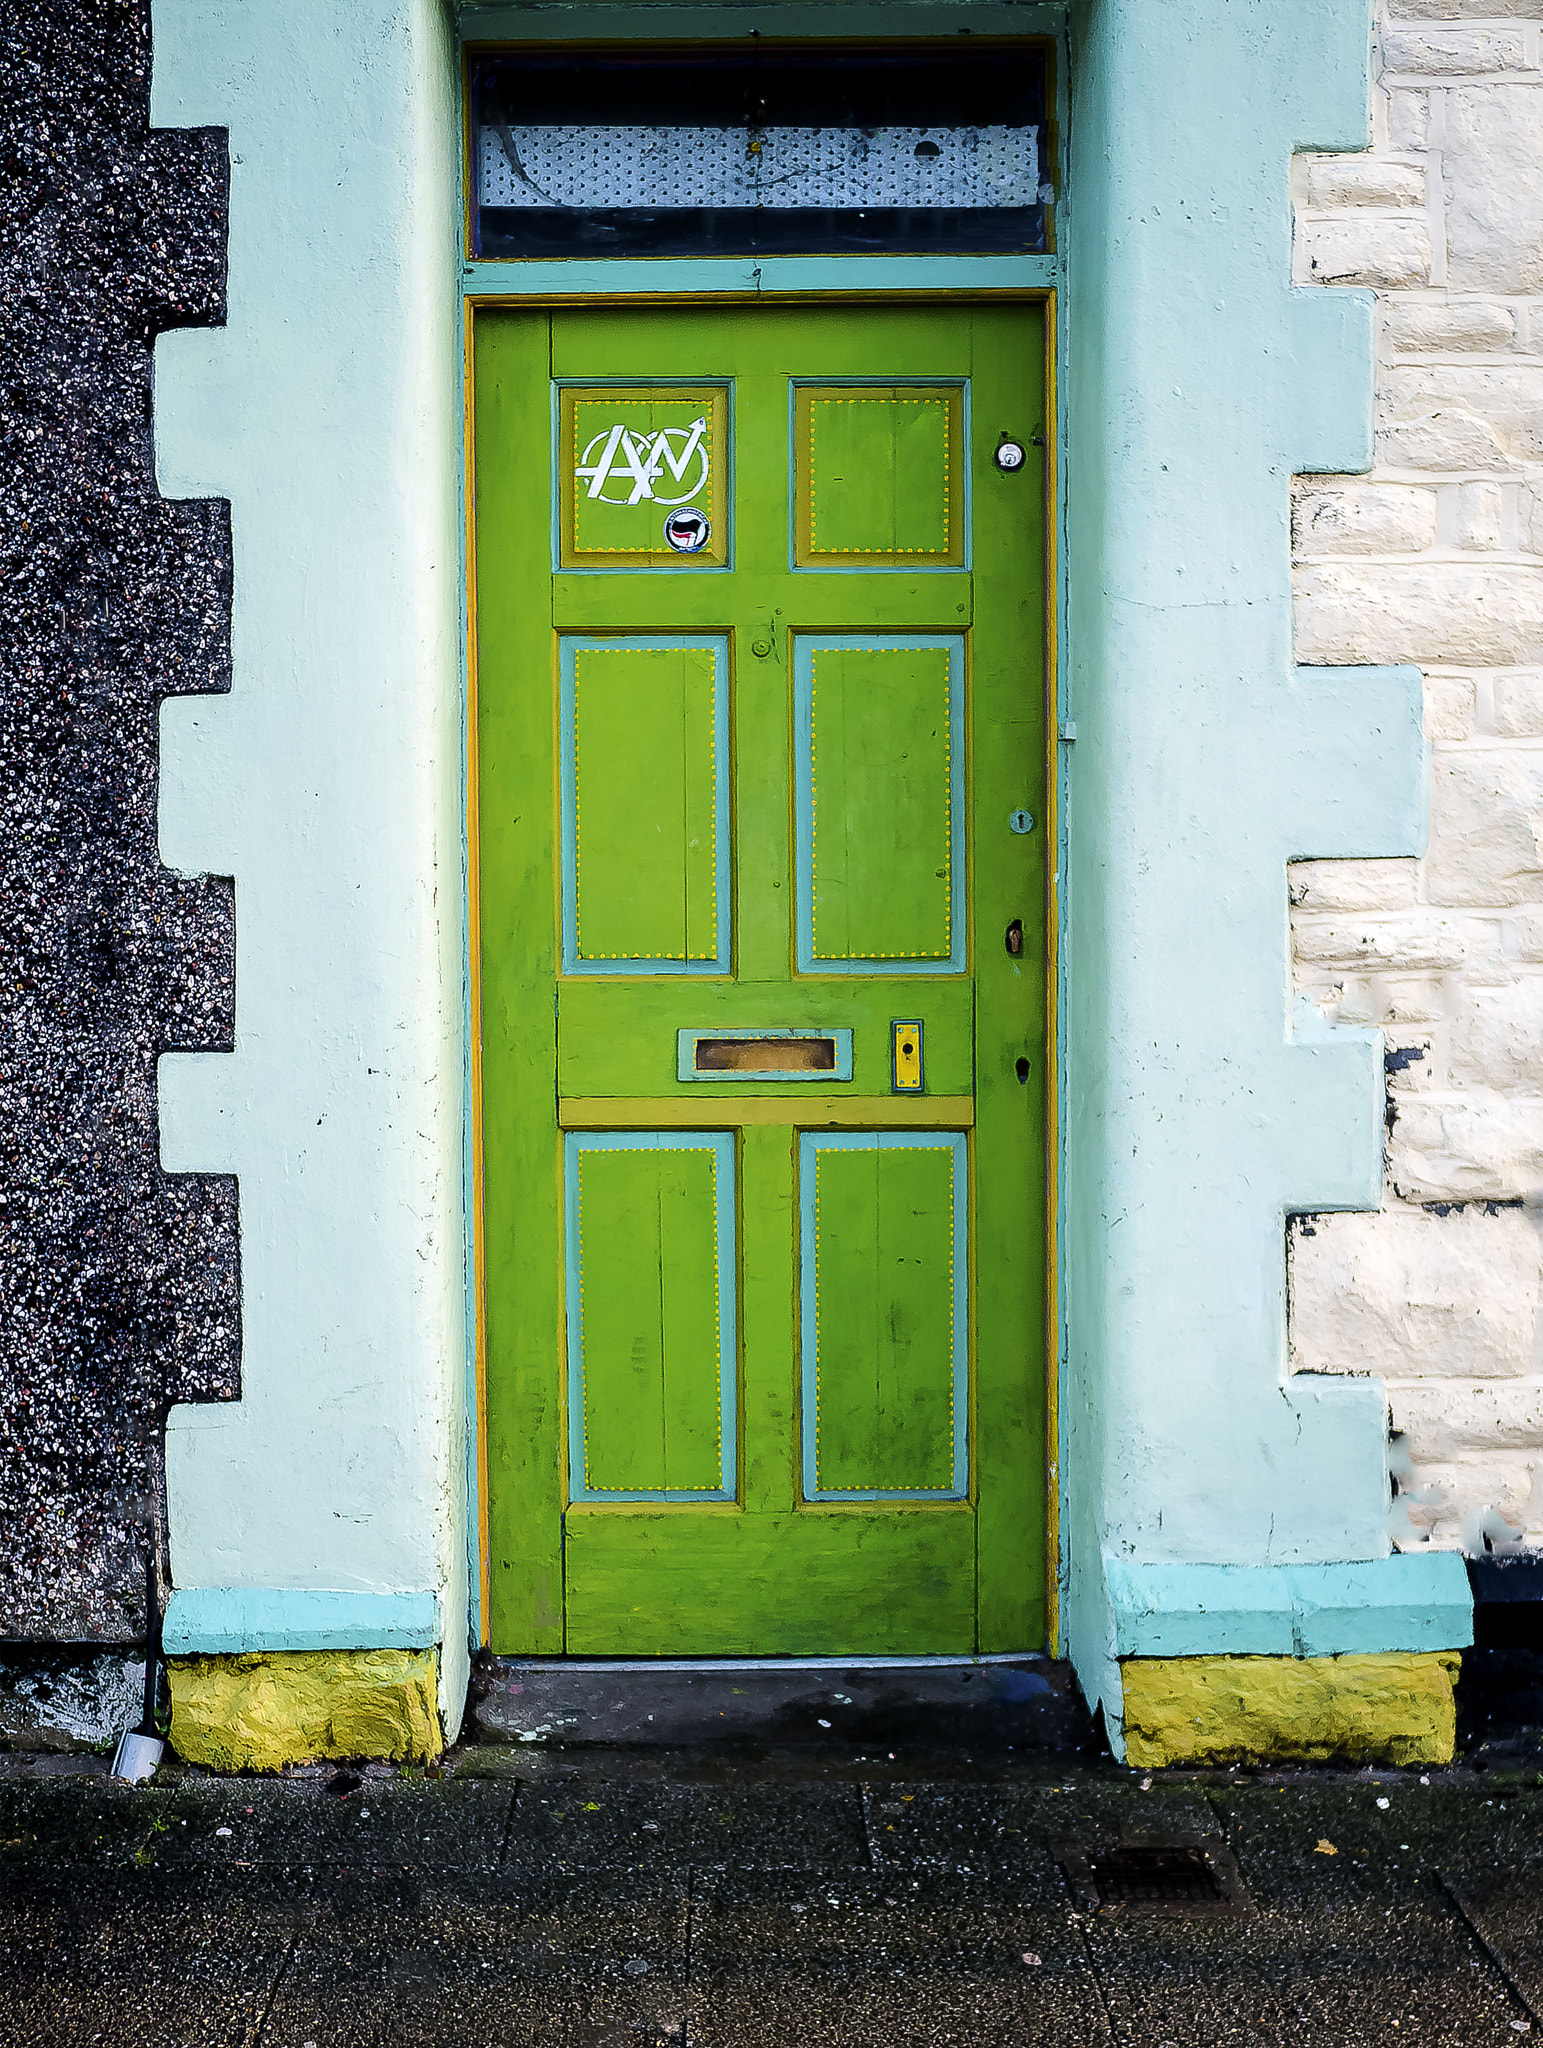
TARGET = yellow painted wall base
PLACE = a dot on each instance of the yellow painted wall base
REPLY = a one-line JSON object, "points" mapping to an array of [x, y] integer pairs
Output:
{"points": [[1393, 1708], [259, 1713]]}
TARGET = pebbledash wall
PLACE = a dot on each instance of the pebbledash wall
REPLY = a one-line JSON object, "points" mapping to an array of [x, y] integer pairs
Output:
{"points": [[1436, 558]]}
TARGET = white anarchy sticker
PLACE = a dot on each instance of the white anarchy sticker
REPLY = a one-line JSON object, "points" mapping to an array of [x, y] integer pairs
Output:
{"points": [[629, 464]]}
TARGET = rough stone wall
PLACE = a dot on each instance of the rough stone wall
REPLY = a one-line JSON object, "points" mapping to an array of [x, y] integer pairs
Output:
{"points": [[118, 1283], [1437, 559]]}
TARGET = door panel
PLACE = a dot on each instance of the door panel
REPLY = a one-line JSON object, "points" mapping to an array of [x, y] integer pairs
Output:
{"points": [[596, 1059], [652, 1393], [880, 476], [879, 781], [624, 455], [645, 798], [885, 1324], [760, 677]]}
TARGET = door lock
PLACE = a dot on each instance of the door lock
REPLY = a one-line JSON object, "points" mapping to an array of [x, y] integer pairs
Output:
{"points": [[1014, 938], [905, 1056]]}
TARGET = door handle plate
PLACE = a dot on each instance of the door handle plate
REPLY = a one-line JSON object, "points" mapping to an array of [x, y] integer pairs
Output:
{"points": [[907, 1075]]}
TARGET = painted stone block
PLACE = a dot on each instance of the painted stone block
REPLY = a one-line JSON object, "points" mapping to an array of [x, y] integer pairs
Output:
{"points": [[885, 1349], [261, 1712], [1396, 1707]]}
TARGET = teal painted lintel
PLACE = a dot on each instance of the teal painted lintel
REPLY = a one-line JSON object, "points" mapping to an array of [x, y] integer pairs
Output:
{"points": [[1414, 1601], [230, 1621], [663, 277]]}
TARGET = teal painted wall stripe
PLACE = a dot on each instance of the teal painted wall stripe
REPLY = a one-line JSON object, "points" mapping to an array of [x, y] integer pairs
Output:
{"points": [[1416, 1601], [229, 1621]]}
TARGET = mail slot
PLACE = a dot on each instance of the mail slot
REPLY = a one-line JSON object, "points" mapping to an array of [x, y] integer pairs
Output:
{"points": [[765, 1055]]}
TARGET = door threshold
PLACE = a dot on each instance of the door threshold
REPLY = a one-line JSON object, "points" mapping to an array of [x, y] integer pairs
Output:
{"points": [[601, 1665], [828, 1706]]}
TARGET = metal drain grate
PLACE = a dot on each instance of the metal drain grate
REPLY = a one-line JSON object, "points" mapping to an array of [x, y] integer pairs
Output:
{"points": [[1131, 1876], [1196, 1878]]}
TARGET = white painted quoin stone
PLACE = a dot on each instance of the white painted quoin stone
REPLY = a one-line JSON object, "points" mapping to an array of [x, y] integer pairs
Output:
{"points": [[1436, 559]]}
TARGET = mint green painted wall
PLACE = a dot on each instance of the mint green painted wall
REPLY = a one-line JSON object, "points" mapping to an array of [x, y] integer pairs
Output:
{"points": [[329, 784], [1198, 382]]}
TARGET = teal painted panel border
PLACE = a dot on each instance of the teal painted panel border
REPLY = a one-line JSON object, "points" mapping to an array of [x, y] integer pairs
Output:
{"points": [[686, 1067], [722, 1145], [810, 1145], [1411, 1601], [805, 647], [568, 647], [231, 1621]]}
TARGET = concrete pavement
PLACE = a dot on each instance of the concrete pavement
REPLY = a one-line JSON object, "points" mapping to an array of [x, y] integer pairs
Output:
{"points": [[765, 1893]]}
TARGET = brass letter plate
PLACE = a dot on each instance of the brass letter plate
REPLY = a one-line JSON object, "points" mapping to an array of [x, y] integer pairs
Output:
{"points": [[765, 1055]]}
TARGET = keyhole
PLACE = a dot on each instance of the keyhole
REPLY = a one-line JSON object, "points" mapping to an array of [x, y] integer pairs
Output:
{"points": [[1022, 1068], [1015, 938]]}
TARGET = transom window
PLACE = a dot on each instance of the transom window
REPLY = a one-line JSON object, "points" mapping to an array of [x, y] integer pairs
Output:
{"points": [[788, 149]]}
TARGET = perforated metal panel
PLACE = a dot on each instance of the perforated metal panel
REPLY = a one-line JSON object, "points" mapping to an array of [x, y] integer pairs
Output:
{"points": [[686, 168]]}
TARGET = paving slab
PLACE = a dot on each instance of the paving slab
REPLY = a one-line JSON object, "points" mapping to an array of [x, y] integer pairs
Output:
{"points": [[583, 1823], [855, 1960], [1338, 1973], [126, 1958], [394, 1963], [1352, 1940], [1006, 1828], [244, 1822], [1332, 1840], [1504, 1909]]}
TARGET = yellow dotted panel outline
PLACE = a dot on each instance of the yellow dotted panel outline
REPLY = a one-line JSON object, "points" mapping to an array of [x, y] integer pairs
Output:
{"points": [[943, 398]]}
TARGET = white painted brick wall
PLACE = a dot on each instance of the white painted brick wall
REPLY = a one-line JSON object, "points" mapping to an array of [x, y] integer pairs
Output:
{"points": [[1436, 558]]}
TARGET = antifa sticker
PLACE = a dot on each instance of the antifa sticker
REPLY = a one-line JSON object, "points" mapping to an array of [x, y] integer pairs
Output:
{"points": [[687, 530]]}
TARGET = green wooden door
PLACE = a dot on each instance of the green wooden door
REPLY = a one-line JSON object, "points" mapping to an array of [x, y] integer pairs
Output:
{"points": [[760, 699]]}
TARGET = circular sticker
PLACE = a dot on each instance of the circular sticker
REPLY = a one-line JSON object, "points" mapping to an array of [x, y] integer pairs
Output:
{"points": [[1010, 455], [687, 530]]}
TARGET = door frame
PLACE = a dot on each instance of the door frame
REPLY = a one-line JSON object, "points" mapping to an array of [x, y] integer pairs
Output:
{"points": [[675, 281]]}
